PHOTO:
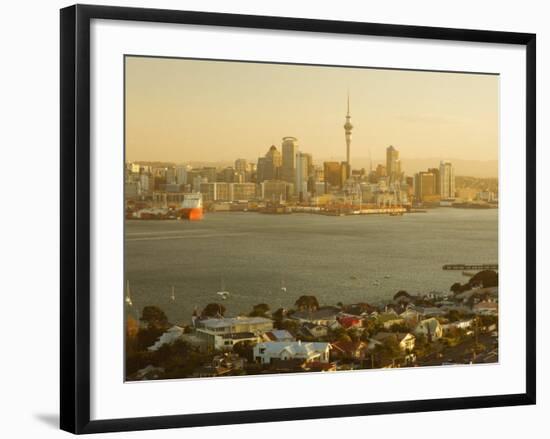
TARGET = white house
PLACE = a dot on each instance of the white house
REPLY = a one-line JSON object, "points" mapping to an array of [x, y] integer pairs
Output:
{"points": [[461, 324], [410, 315], [278, 335], [430, 328], [486, 308], [266, 352], [224, 333]]}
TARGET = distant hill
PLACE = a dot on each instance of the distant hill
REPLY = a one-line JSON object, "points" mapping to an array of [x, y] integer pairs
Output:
{"points": [[470, 168]]}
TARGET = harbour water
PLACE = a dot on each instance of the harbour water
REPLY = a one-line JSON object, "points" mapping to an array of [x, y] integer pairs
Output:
{"points": [[274, 259]]}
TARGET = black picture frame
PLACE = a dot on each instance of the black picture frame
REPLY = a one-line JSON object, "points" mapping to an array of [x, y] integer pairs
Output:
{"points": [[75, 217]]}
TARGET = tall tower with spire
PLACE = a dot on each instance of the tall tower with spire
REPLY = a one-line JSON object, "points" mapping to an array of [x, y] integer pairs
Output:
{"points": [[348, 127]]}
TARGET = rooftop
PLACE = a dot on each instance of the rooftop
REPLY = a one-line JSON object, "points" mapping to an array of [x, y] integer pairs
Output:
{"points": [[232, 321], [293, 347]]}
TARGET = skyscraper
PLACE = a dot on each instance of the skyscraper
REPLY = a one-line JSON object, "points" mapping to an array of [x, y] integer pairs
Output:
{"points": [[290, 148], [348, 127], [302, 174], [332, 174], [241, 165], [425, 186], [447, 179], [393, 164], [273, 163]]}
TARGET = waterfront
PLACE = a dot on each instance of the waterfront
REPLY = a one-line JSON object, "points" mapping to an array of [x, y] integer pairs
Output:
{"points": [[334, 258]]}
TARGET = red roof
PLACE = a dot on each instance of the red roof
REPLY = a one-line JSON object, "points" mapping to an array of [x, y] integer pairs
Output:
{"points": [[349, 321]]}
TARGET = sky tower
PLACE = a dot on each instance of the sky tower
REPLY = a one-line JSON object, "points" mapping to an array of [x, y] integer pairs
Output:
{"points": [[348, 127]]}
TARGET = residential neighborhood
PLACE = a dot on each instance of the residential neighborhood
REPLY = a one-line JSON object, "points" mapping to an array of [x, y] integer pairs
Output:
{"points": [[411, 330]]}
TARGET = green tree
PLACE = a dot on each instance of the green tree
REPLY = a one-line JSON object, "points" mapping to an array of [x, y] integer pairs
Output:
{"points": [[213, 310], [154, 318], [485, 278], [260, 310], [401, 294], [244, 349], [421, 346], [307, 303], [456, 288], [454, 315], [291, 326], [388, 352], [147, 336]]}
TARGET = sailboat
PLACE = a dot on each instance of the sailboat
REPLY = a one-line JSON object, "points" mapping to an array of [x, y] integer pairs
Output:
{"points": [[283, 287], [128, 298], [173, 295], [223, 293]]}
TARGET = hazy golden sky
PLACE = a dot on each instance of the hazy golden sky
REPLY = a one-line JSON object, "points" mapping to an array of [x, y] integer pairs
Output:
{"points": [[191, 110]]}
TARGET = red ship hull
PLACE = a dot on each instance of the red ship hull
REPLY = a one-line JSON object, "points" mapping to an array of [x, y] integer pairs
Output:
{"points": [[192, 214]]}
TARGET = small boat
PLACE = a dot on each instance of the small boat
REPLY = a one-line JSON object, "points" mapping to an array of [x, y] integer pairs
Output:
{"points": [[376, 283], [128, 298], [387, 276], [223, 293], [353, 277], [173, 295]]}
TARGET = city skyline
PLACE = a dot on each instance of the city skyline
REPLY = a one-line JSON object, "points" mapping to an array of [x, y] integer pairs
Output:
{"points": [[163, 126]]}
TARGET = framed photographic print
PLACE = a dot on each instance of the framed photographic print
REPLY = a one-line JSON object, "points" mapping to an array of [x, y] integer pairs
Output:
{"points": [[262, 213]]}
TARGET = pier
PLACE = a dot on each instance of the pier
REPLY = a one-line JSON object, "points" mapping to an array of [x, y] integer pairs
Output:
{"points": [[470, 267]]}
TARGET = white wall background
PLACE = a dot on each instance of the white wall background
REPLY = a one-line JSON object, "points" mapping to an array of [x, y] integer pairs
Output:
{"points": [[29, 200]]}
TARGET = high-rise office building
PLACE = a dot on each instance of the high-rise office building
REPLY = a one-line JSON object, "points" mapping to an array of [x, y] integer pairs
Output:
{"points": [[269, 167], [181, 174], [302, 174], [289, 148], [435, 172], [241, 165], [425, 184], [393, 164], [170, 176], [447, 179], [275, 190], [333, 174]]}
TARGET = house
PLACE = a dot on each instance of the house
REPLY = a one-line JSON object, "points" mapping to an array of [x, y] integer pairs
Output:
{"points": [[410, 315], [462, 309], [448, 328], [267, 352], [405, 340], [324, 316], [169, 337], [349, 321], [313, 330], [485, 308], [349, 350], [224, 333], [229, 360], [430, 311], [277, 335], [359, 309], [479, 294], [389, 319], [430, 328]]}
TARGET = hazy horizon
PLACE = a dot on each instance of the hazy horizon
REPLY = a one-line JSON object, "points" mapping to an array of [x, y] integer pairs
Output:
{"points": [[185, 111]]}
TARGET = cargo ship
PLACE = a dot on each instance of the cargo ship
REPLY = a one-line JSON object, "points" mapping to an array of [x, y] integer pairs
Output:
{"points": [[191, 207]]}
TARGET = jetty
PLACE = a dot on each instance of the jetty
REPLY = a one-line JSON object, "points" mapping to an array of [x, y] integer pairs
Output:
{"points": [[470, 267]]}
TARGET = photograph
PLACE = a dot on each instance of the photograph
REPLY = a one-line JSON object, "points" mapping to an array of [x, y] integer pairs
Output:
{"points": [[299, 218]]}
